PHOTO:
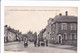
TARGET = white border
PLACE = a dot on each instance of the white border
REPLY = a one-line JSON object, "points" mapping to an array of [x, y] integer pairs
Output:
{"points": [[40, 3], [37, 3]]}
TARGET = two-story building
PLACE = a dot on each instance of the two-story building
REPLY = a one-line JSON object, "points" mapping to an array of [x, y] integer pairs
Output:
{"points": [[64, 29]]}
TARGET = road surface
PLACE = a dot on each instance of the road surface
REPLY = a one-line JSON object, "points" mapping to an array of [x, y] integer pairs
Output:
{"points": [[18, 47]]}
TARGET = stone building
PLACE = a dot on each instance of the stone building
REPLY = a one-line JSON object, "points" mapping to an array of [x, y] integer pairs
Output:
{"points": [[63, 29]]}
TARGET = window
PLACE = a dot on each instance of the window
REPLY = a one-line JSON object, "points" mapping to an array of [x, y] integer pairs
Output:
{"points": [[65, 36], [64, 26], [74, 36], [73, 26]]}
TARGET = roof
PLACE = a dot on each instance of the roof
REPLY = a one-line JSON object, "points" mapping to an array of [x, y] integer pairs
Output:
{"points": [[43, 30], [65, 19]]}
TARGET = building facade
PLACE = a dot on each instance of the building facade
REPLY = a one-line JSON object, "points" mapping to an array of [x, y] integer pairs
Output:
{"points": [[42, 35], [48, 29], [11, 34], [8, 35], [64, 29]]}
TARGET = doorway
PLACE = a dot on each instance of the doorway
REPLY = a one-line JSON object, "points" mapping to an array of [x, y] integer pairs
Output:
{"points": [[59, 39]]}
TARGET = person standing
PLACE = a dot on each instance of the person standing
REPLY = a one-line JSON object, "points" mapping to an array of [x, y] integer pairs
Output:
{"points": [[35, 43], [38, 43], [35, 39], [25, 42], [46, 42]]}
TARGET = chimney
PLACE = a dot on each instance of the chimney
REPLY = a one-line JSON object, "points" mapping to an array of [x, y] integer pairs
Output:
{"points": [[66, 13], [60, 14]]}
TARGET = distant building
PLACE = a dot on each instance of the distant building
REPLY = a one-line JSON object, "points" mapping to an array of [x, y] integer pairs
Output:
{"points": [[30, 36], [44, 35], [24, 36], [63, 29], [35, 36], [41, 35]]}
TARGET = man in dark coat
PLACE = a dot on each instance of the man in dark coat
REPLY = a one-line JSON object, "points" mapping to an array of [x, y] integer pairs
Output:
{"points": [[35, 43], [46, 42]]}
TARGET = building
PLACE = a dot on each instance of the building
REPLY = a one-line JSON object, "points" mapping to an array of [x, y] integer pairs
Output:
{"points": [[35, 36], [63, 29], [42, 35], [11, 34], [30, 36], [48, 29], [24, 36]]}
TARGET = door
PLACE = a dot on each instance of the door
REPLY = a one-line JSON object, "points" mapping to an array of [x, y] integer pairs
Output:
{"points": [[59, 39]]}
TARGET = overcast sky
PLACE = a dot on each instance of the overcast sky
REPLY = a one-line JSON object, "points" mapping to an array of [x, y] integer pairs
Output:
{"points": [[33, 18]]}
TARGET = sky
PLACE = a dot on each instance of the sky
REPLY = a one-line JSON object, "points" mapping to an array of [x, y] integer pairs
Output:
{"points": [[33, 18]]}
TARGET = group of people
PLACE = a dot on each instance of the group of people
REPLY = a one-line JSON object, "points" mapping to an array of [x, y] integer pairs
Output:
{"points": [[36, 43], [41, 43]]}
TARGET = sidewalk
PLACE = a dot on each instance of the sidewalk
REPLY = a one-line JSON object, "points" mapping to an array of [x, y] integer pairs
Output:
{"points": [[70, 47]]}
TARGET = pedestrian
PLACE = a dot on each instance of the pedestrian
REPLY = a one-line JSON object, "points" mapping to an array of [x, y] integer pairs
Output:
{"points": [[42, 44], [35, 43], [38, 43], [19, 40], [25, 42], [46, 42]]}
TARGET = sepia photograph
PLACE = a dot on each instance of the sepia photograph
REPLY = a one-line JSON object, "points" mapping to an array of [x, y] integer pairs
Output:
{"points": [[40, 29]]}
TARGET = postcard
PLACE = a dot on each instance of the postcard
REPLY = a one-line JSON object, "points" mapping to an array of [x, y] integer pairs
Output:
{"points": [[40, 29]]}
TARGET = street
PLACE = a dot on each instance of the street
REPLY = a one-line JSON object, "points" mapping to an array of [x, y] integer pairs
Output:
{"points": [[18, 47]]}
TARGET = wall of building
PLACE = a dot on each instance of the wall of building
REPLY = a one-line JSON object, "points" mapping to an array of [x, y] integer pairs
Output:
{"points": [[11, 36], [48, 32], [68, 32]]}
